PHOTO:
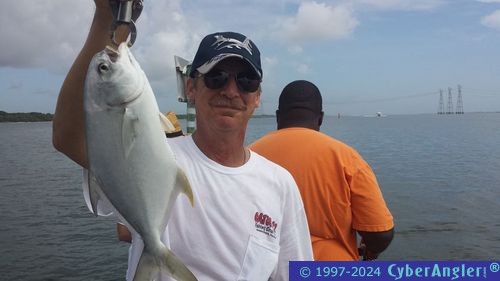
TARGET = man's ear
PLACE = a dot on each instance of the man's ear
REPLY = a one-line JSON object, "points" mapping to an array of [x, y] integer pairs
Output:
{"points": [[320, 120], [278, 118], [257, 100], [190, 86]]}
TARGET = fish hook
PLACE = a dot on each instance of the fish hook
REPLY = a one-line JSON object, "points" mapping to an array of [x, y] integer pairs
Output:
{"points": [[125, 12]]}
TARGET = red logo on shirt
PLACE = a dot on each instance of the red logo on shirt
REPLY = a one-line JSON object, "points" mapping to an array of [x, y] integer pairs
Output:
{"points": [[265, 224]]}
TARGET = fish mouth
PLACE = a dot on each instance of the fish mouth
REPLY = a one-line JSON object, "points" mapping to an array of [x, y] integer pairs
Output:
{"points": [[112, 53]]}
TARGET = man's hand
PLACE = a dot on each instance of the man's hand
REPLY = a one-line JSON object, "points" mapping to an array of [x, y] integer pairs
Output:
{"points": [[137, 6], [374, 243], [124, 15], [102, 4], [365, 253]]}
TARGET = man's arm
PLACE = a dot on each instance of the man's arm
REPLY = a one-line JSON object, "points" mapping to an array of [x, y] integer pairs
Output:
{"points": [[123, 233], [68, 131], [375, 242]]}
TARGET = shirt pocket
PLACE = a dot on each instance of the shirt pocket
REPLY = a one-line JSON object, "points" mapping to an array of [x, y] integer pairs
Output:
{"points": [[261, 258]]}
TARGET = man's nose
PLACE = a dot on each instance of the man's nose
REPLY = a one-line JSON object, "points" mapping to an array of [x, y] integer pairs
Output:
{"points": [[231, 89]]}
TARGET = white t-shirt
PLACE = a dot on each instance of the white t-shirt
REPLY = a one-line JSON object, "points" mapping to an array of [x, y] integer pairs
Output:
{"points": [[247, 222]]}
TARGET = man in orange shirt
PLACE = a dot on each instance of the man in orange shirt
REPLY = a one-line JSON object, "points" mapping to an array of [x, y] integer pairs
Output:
{"points": [[339, 189]]}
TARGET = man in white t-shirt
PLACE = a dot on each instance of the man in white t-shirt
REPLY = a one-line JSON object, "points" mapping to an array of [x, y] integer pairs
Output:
{"points": [[248, 220]]}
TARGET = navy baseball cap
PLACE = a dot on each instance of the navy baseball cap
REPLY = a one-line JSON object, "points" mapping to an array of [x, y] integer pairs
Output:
{"points": [[301, 94], [221, 45]]}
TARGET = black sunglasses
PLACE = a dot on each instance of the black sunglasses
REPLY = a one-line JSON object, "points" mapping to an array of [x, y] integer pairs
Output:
{"points": [[246, 81]]}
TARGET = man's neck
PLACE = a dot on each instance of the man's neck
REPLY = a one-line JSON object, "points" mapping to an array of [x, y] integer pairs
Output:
{"points": [[223, 148], [297, 125]]}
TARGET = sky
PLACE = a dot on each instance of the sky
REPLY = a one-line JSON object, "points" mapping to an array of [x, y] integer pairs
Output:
{"points": [[365, 56]]}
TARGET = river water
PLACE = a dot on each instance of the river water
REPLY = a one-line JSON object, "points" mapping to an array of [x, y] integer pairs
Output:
{"points": [[440, 176]]}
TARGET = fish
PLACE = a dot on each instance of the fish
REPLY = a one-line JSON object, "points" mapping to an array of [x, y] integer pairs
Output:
{"points": [[129, 162]]}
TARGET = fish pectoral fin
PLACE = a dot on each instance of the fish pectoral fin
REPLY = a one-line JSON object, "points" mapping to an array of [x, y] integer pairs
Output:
{"points": [[94, 194], [184, 186], [166, 125], [129, 132]]}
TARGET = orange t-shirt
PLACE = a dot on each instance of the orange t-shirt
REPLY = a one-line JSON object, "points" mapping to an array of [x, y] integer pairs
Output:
{"points": [[339, 189]]}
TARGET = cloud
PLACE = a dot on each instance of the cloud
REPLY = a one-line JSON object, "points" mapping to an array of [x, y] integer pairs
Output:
{"points": [[163, 32], [270, 65], [303, 68], [407, 5], [492, 20], [318, 21], [40, 33], [270, 61], [294, 50], [15, 85], [49, 34]]}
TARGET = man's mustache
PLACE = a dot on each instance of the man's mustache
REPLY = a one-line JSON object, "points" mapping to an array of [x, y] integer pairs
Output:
{"points": [[225, 102]]}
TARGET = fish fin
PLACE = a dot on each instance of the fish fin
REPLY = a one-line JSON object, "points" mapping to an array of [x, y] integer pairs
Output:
{"points": [[166, 125], [149, 266], [184, 185], [129, 133], [93, 192]]}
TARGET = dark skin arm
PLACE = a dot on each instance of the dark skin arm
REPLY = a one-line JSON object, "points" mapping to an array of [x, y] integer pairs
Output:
{"points": [[68, 131], [68, 126], [375, 242], [124, 234]]}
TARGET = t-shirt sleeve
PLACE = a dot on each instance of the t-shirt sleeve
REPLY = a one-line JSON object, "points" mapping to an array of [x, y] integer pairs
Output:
{"points": [[369, 210], [295, 241]]}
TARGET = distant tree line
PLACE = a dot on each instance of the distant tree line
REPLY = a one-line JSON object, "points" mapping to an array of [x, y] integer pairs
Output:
{"points": [[25, 117]]}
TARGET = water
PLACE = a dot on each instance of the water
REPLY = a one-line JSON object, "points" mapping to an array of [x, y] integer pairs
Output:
{"points": [[440, 176], [46, 231]]}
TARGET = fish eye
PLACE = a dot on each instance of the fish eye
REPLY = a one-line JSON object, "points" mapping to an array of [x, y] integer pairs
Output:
{"points": [[103, 67]]}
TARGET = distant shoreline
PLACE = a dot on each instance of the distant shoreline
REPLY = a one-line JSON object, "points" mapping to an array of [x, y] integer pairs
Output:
{"points": [[25, 117], [43, 117]]}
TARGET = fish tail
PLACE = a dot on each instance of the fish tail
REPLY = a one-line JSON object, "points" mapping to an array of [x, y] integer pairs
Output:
{"points": [[150, 265]]}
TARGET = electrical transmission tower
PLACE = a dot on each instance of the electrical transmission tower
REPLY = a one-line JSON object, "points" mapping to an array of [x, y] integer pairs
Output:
{"points": [[450, 102], [441, 102], [460, 105]]}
